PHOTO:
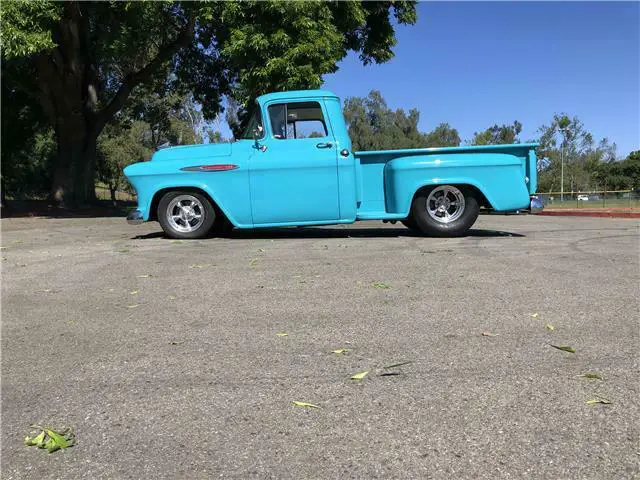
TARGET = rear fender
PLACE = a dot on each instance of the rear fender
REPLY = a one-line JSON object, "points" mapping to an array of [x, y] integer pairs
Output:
{"points": [[499, 177]]}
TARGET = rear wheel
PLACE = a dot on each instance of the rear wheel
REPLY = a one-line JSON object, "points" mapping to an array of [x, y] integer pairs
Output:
{"points": [[445, 210], [185, 214]]}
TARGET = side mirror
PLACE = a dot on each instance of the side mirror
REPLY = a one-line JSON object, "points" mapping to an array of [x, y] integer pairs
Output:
{"points": [[257, 133]]}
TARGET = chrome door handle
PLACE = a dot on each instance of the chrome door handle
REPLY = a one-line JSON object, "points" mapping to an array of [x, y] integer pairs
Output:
{"points": [[324, 145]]}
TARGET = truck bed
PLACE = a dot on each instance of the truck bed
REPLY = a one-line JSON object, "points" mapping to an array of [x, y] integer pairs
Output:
{"points": [[386, 180]]}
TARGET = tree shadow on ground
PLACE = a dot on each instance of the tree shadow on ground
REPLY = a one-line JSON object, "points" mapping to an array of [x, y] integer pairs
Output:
{"points": [[42, 208], [336, 232]]}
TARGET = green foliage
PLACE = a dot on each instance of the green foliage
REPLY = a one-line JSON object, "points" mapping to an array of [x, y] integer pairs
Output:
{"points": [[498, 135], [151, 120], [26, 27], [374, 126], [28, 146], [587, 165], [442, 136]]}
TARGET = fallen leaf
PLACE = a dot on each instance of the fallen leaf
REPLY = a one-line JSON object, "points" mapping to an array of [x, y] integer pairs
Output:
{"points": [[564, 348], [134, 292], [548, 326], [176, 241], [51, 439], [489, 334], [591, 375], [598, 400], [145, 276], [340, 351], [282, 334], [305, 404], [253, 262], [124, 250], [360, 376], [534, 315], [399, 364], [261, 250], [380, 285], [133, 306], [32, 441]]}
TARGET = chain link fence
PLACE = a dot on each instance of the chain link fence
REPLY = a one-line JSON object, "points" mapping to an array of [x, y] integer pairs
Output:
{"points": [[613, 199]]}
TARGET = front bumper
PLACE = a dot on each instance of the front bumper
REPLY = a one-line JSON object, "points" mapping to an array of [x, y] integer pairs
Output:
{"points": [[135, 218]]}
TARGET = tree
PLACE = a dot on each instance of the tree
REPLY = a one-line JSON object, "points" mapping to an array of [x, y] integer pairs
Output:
{"points": [[498, 135], [566, 140], [374, 126], [442, 136], [81, 61]]}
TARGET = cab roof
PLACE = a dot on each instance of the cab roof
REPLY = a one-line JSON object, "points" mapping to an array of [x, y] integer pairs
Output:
{"points": [[293, 94]]}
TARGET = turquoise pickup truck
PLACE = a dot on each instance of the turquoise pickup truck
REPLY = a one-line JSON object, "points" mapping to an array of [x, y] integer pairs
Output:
{"points": [[294, 166]]}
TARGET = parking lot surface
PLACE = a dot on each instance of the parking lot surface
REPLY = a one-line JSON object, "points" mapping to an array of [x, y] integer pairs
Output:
{"points": [[165, 355]]}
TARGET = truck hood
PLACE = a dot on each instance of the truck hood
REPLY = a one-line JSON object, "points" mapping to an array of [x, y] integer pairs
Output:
{"points": [[193, 152]]}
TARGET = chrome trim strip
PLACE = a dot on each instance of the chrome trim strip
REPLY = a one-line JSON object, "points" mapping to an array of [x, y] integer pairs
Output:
{"points": [[203, 168]]}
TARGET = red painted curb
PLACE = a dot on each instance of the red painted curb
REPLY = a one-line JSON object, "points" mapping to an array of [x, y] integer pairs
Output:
{"points": [[592, 213]]}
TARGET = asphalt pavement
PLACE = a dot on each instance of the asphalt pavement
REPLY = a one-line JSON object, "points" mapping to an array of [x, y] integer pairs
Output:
{"points": [[170, 359]]}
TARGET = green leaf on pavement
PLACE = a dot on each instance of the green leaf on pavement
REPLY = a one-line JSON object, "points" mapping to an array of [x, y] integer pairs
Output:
{"points": [[489, 334], [340, 351], [548, 326], [564, 348], [380, 285], [31, 441], [253, 262], [58, 439], [360, 376], [598, 400], [534, 315], [51, 439], [591, 375], [282, 334], [305, 404]]}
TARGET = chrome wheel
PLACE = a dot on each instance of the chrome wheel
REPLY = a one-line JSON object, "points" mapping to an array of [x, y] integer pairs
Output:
{"points": [[445, 204], [185, 213]]}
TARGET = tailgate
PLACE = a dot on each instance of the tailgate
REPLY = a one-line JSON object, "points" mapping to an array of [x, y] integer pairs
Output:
{"points": [[531, 167]]}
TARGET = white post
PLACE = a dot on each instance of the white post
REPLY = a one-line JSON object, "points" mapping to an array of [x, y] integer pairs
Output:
{"points": [[562, 171]]}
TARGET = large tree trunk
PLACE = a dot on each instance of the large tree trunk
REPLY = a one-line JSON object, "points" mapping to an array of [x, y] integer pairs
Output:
{"points": [[68, 88]]}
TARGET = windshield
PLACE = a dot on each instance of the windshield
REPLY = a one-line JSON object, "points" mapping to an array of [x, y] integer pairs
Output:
{"points": [[254, 121]]}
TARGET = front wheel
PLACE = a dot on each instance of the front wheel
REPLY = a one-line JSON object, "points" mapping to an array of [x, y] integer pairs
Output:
{"points": [[445, 210], [185, 214]]}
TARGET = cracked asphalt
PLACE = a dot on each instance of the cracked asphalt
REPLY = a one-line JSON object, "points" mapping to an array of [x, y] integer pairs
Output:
{"points": [[164, 356]]}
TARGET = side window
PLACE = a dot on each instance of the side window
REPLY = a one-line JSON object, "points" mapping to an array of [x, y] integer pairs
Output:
{"points": [[297, 120]]}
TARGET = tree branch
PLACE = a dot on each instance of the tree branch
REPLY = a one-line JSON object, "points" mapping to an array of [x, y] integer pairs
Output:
{"points": [[134, 79]]}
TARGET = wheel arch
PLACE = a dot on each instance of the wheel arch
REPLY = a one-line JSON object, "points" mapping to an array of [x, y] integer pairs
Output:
{"points": [[477, 192], [155, 201]]}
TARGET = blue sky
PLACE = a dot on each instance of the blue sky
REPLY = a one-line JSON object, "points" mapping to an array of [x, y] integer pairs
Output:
{"points": [[474, 64]]}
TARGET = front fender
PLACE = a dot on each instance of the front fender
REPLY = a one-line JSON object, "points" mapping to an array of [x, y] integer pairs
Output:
{"points": [[228, 189]]}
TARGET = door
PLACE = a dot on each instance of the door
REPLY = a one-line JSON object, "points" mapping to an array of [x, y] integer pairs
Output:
{"points": [[294, 175]]}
